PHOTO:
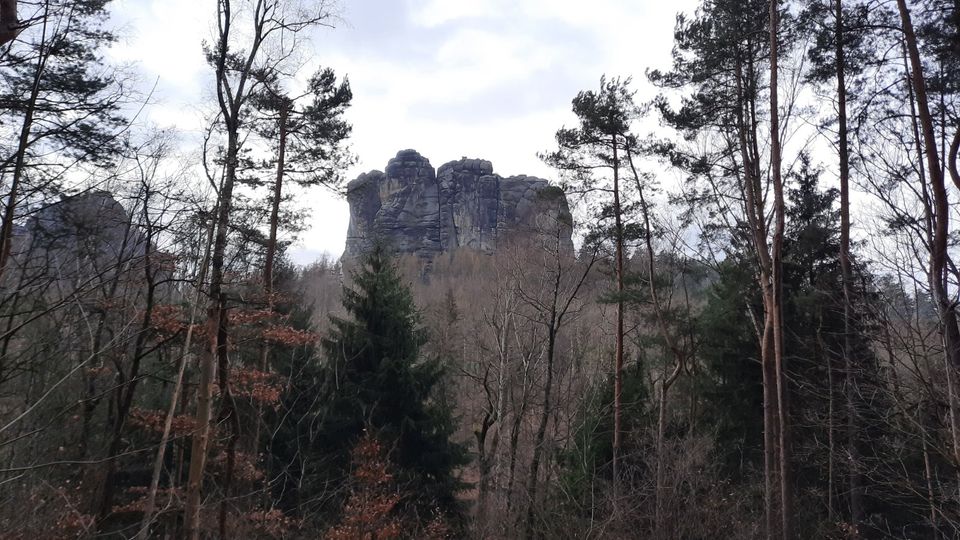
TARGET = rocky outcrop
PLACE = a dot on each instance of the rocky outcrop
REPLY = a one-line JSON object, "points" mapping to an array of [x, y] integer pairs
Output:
{"points": [[416, 210], [91, 224], [84, 235]]}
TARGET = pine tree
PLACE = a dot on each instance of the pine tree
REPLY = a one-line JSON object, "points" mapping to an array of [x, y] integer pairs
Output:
{"points": [[60, 103], [599, 143], [308, 133], [720, 59], [840, 53]]}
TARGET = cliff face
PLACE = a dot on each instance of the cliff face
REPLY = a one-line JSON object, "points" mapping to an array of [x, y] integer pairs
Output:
{"points": [[91, 224], [416, 210], [84, 240]]}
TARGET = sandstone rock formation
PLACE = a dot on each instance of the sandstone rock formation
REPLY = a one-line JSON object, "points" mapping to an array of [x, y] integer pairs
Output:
{"points": [[416, 210], [83, 240]]}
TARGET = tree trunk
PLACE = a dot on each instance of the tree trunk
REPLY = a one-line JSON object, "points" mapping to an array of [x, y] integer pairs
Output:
{"points": [[846, 275], [831, 445], [786, 483], [756, 219], [185, 357], [228, 413], [618, 362], [770, 431], [928, 477], [941, 203], [201, 439], [938, 253], [542, 427], [271, 254], [490, 461], [275, 207], [515, 429], [6, 229], [558, 309], [671, 344], [10, 27], [952, 159], [659, 526]]}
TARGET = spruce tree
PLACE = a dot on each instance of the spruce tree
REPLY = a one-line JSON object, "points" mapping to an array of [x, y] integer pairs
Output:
{"points": [[377, 380], [732, 384]]}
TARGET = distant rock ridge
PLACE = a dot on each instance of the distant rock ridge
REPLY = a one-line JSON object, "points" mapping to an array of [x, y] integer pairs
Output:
{"points": [[416, 210]]}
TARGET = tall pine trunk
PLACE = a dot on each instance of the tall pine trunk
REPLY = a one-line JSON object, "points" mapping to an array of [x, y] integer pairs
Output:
{"points": [[9, 211], [268, 266], [846, 276], [756, 219], [269, 259], [786, 480], [938, 253], [618, 361]]}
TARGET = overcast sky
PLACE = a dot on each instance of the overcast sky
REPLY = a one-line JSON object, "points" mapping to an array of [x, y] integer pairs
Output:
{"points": [[488, 79]]}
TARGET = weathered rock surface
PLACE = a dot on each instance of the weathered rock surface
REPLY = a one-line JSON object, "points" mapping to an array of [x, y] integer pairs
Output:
{"points": [[416, 210], [83, 240], [91, 224]]}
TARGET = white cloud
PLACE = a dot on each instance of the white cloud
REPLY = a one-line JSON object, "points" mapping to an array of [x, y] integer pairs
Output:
{"points": [[164, 38], [434, 13], [484, 78]]}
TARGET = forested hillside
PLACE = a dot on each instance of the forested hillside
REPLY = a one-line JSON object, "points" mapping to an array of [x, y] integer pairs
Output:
{"points": [[754, 333]]}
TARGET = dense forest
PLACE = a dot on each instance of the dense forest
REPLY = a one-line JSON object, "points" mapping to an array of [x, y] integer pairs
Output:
{"points": [[755, 336]]}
